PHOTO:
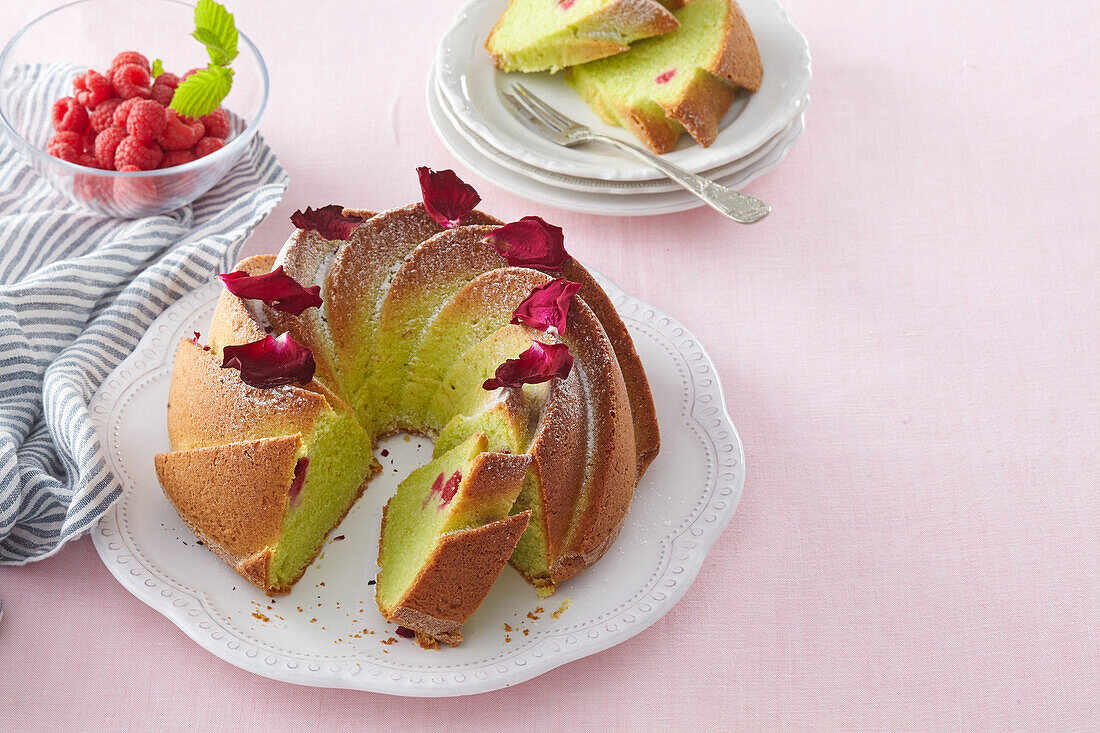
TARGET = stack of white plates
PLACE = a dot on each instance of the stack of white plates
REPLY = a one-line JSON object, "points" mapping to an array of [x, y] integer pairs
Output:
{"points": [[468, 113]]}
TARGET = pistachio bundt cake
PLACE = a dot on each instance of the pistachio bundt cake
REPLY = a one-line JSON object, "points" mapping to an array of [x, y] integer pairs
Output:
{"points": [[432, 318]]}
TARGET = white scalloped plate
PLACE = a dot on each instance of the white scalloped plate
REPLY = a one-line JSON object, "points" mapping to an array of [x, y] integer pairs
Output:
{"points": [[327, 632], [472, 86]]}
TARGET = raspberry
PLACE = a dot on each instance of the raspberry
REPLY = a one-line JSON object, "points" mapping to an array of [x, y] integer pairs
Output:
{"points": [[66, 146], [178, 134], [69, 116], [190, 72], [208, 145], [131, 80], [103, 116], [122, 111], [87, 160], [98, 89], [168, 79], [144, 154], [176, 157], [78, 84], [129, 169], [162, 94], [217, 123], [88, 141], [105, 144], [146, 120], [130, 57]]}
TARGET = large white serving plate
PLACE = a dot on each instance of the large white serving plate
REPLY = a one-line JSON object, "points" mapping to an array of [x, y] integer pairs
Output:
{"points": [[472, 85], [327, 631]]}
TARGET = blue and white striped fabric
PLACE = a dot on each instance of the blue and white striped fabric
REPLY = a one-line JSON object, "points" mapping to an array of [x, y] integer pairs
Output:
{"points": [[77, 291]]}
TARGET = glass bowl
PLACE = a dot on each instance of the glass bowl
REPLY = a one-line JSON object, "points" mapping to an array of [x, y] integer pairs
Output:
{"points": [[88, 34]]}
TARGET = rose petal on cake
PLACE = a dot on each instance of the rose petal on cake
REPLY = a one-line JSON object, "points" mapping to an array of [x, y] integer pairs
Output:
{"points": [[271, 362], [195, 339], [547, 307], [539, 363], [276, 288], [530, 242], [447, 198], [328, 221]]}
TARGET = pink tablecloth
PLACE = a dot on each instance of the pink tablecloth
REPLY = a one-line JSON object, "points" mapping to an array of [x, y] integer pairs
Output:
{"points": [[909, 346]]}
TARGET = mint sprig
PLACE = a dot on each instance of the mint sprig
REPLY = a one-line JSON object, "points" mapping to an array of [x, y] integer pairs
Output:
{"points": [[202, 92]]}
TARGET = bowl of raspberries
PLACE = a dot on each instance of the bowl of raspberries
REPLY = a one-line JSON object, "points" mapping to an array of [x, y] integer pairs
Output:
{"points": [[128, 137]]}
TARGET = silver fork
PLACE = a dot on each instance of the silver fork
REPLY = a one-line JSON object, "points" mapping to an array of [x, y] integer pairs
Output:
{"points": [[546, 121]]}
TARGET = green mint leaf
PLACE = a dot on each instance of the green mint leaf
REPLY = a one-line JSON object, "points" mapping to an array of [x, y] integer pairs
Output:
{"points": [[216, 29], [158, 68], [218, 55], [202, 92]]}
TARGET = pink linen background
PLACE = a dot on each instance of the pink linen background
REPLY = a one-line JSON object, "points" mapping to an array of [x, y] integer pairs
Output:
{"points": [[909, 349]]}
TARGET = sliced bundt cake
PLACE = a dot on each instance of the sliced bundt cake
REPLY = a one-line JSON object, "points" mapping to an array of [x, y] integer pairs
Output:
{"points": [[427, 318], [683, 80], [547, 35], [446, 537]]}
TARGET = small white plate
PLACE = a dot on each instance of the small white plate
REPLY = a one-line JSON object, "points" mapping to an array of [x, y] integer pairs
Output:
{"points": [[461, 142], [472, 86], [592, 185], [327, 632]]}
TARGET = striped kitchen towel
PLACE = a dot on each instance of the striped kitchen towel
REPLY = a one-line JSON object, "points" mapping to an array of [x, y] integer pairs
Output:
{"points": [[77, 291]]}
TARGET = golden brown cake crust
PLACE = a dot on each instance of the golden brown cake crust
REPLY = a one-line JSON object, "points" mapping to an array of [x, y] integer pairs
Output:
{"points": [[647, 436], [611, 468], [234, 497]]}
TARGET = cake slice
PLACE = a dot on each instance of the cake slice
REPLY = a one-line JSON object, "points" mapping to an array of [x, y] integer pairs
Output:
{"points": [[547, 35], [683, 80], [446, 537]]}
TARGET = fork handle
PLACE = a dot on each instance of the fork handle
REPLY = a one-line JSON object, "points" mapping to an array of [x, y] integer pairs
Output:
{"points": [[737, 206]]}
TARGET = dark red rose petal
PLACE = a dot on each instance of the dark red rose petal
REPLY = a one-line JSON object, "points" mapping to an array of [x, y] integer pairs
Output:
{"points": [[276, 288], [406, 632], [540, 363], [195, 339], [530, 242], [547, 307], [447, 198], [271, 362], [328, 221]]}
